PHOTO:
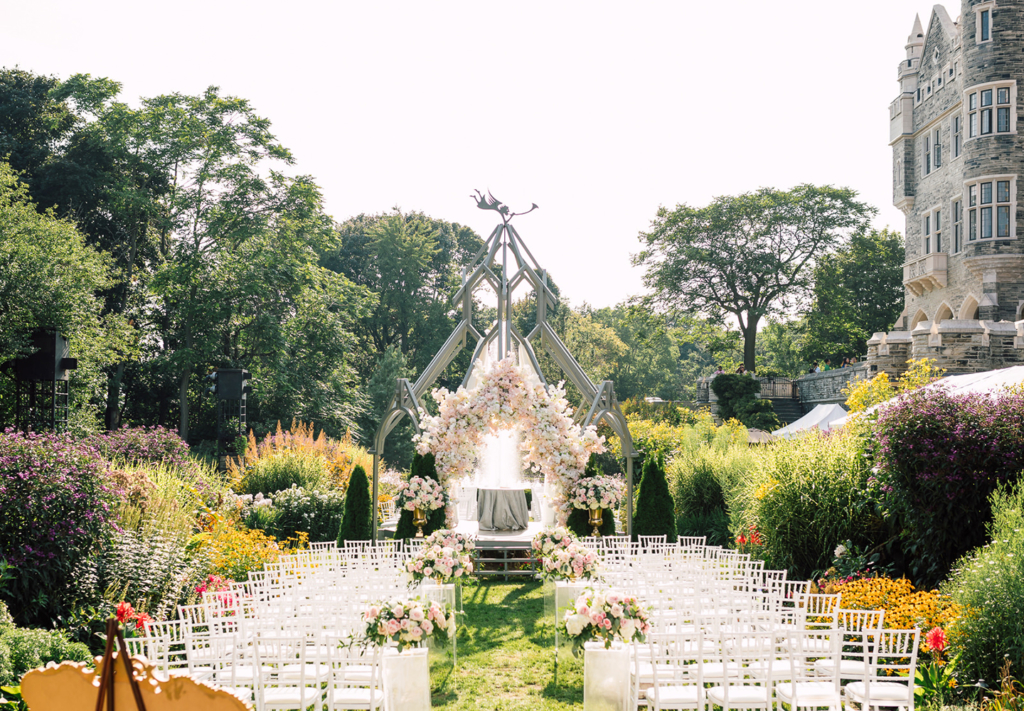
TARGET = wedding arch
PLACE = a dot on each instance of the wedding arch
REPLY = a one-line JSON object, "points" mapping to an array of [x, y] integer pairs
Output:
{"points": [[505, 263]]}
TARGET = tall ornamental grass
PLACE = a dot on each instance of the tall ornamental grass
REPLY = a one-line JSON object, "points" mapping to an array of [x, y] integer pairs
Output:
{"points": [[988, 585], [806, 496], [938, 458], [706, 479]]}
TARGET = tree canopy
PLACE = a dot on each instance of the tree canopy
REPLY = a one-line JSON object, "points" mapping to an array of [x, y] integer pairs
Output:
{"points": [[747, 256]]}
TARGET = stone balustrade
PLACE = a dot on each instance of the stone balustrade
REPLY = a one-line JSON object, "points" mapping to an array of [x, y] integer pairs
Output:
{"points": [[827, 387]]}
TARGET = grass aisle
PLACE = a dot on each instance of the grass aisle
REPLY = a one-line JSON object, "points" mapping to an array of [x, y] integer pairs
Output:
{"points": [[506, 660]]}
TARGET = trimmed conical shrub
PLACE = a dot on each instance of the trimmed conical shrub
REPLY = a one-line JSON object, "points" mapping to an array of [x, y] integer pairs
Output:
{"points": [[577, 522], [655, 512], [356, 524], [425, 466]]}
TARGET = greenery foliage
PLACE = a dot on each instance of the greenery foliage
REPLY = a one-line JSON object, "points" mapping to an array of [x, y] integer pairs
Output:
{"points": [[313, 512], [23, 649], [806, 497], [655, 512], [738, 399], [939, 457], [56, 503], [858, 291], [357, 524], [988, 584], [282, 470]]}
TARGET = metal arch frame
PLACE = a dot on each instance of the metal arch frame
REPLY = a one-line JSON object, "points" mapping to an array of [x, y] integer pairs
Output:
{"points": [[516, 266]]}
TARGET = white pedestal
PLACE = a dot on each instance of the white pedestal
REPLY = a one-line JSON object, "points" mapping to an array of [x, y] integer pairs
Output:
{"points": [[406, 680], [606, 678]]}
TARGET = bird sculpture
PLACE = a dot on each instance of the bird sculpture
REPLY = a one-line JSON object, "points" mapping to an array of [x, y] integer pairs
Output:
{"points": [[489, 202]]}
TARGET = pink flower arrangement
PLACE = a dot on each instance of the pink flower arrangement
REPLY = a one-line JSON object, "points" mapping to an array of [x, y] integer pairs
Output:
{"points": [[551, 539], [607, 616], [552, 442], [570, 562], [598, 492], [445, 556], [421, 493], [409, 623]]}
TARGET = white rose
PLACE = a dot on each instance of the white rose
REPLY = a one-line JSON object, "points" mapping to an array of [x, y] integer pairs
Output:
{"points": [[574, 624], [840, 551], [627, 629]]}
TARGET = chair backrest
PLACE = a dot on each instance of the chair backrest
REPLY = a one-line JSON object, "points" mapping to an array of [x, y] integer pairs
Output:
{"points": [[647, 541], [744, 648], [860, 620], [894, 659], [280, 660], [819, 611], [692, 541], [342, 658]]}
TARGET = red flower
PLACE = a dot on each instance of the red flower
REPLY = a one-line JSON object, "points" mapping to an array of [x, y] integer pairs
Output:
{"points": [[142, 621], [741, 539], [125, 612], [936, 639]]}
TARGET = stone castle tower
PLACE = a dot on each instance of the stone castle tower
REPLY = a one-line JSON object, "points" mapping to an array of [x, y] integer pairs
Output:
{"points": [[958, 176]]}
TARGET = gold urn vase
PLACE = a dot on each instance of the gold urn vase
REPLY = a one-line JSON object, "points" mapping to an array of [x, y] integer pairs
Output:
{"points": [[419, 520], [596, 519]]}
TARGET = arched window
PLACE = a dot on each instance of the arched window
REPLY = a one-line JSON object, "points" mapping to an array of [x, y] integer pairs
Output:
{"points": [[918, 318], [945, 313]]}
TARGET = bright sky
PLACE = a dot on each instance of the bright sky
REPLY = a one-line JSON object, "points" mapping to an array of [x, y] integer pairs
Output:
{"points": [[598, 112]]}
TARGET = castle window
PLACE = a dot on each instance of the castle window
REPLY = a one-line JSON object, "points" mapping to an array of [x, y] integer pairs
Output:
{"points": [[927, 155], [990, 111], [991, 202], [937, 151], [932, 231], [986, 29], [957, 227], [956, 127], [983, 16]]}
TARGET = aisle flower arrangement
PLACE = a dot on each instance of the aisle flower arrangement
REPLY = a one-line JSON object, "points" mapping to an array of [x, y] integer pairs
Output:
{"points": [[606, 616], [409, 623], [508, 396], [444, 557], [570, 562], [421, 493], [598, 492], [549, 540]]}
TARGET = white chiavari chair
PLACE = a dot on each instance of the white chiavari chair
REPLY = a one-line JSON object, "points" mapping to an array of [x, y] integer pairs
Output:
{"points": [[891, 668]]}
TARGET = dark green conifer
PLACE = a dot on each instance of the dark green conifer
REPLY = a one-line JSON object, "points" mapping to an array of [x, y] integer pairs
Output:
{"points": [[356, 524], [655, 511]]}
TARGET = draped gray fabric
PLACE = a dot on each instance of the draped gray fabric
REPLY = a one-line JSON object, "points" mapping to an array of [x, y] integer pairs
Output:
{"points": [[502, 509]]}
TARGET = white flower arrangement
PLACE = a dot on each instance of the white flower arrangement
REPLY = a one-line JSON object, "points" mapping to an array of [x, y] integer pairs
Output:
{"points": [[606, 616], [421, 493], [598, 492], [547, 541], [552, 442], [445, 556], [409, 623]]}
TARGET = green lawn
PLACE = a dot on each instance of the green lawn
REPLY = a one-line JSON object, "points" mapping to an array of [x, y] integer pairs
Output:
{"points": [[506, 659]]}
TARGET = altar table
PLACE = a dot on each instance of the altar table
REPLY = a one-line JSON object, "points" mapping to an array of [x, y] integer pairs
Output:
{"points": [[502, 509]]}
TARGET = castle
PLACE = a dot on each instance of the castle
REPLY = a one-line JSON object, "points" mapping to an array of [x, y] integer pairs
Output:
{"points": [[957, 160], [957, 175]]}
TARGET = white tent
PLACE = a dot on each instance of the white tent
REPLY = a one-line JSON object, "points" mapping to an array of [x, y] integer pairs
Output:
{"points": [[989, 381], [820, 418]]}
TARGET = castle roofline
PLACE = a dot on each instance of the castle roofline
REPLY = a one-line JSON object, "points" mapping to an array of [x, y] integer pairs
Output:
{"points": [[917, 33]]}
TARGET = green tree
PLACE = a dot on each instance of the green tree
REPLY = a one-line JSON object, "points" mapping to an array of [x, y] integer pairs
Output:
{"points": [[413, 263], [655, 510], [857, 292], [356, 524], [748, 256], [649, 365], [780, 349], [49, 278], [424, 466], [380, 389]]}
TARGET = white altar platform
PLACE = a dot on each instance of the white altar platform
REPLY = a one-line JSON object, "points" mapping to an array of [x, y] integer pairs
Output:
{"points": [[499, 539]]}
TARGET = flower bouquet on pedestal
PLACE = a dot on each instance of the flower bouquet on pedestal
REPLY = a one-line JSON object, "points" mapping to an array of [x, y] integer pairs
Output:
{"points": [[597, 493], [570, 562], [606, 616], [445, 557], [409, 623], [421, 495]]}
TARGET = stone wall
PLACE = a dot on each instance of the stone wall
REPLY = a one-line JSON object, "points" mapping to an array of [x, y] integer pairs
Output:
{"points": [[826, 388]]}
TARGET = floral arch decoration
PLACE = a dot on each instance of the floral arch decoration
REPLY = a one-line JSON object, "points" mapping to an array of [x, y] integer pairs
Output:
{"points": [[504, 398]]}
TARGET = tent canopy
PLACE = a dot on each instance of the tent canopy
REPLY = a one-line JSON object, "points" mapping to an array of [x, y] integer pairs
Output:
{"points": [[820, 418]]}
